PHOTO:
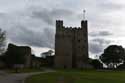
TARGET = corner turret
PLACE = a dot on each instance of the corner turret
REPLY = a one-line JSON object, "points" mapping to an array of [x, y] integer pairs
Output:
{"points": [[59, 23], [84, 24]]}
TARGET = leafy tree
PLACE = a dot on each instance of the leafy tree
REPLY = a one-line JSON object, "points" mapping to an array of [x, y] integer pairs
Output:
{"points": [[96, 64], [113, 55], [2, 41]]}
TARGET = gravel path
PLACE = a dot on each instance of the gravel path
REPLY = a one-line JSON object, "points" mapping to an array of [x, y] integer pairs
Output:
{"points": [[16, 78]]}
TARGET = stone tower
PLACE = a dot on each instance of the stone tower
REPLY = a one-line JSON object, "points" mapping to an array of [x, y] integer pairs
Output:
{"points": [[71, 46]]}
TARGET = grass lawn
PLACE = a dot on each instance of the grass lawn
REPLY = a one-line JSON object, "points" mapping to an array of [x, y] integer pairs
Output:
{"points": [[24, 70], [85, 76]]}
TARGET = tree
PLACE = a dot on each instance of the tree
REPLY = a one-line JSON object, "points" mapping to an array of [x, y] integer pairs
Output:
{"points": [[113, 55], [2, 41], [96, 64]]}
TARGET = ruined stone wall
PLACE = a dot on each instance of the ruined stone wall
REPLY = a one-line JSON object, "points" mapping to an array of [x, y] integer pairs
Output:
{"points": [[21, 51]]}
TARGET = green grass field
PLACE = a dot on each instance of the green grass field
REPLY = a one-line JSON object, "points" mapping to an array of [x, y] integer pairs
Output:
{"points": [[85, 76], [24, 70]]}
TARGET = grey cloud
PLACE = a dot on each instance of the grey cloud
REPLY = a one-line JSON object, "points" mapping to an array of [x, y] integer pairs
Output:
{"points": [[97, 45], [95, 48], [39, 29], [99, 13], [108, 5], [62, 12], [105, 33], [101, 41], [49, 16], [33, 38], [20, 27], [43, 15], [101, 33]]}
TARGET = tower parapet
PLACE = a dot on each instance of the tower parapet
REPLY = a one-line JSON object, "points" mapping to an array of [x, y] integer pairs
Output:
{"points": [[84, 24], [59, 26], [71, 28], [59, 23]]}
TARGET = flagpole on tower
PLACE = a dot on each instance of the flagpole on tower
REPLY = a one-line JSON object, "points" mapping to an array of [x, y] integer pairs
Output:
{"points": [[84, 14]]}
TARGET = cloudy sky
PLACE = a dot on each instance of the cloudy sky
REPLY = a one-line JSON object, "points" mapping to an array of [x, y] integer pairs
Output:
{"points": [[32, 22]]}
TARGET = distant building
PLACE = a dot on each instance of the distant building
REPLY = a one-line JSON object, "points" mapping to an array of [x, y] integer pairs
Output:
{"points": [[71, 46], [36, 62]]}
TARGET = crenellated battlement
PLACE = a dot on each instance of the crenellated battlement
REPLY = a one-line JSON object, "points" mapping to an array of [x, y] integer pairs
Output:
{"points": [[77, 28], [59, 25], [66, 30]]}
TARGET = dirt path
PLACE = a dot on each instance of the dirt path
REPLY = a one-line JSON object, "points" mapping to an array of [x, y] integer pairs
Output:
{"points": [[16, 78]]}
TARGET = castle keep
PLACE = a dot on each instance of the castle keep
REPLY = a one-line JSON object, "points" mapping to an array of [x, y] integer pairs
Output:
{"points": [[71, 45]]}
